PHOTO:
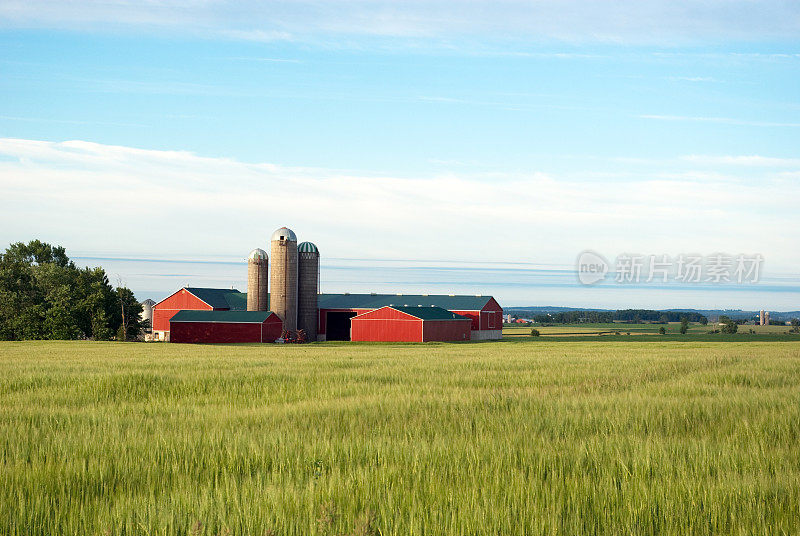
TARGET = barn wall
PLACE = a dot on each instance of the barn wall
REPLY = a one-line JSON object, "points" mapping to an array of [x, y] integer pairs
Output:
{"points": [[214, 332], [273, 327], [475, 316], [446, 330], [405, 329], [495, 319], [166, 309]]}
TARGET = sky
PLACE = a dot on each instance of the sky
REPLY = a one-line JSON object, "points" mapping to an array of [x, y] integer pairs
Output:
{"points": [[443, 146]]}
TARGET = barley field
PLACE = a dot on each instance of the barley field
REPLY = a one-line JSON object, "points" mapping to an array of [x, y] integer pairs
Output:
{"points": [[516, 437]]}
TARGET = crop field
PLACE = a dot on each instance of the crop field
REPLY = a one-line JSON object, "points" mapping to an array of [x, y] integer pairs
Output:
{"points": [[517, 437], [583, 329]]}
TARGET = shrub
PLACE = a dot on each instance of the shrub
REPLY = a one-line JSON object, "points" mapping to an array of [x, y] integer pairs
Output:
{"points": [[662, 330], [535, 332]]}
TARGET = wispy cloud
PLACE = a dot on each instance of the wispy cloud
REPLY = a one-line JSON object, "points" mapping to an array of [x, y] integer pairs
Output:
{"points": [[743, 160], [608, 21], [723, 120]]}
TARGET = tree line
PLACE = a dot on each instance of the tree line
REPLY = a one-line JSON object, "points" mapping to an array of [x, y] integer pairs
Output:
{"points": [[634, 316], [44, 295]]}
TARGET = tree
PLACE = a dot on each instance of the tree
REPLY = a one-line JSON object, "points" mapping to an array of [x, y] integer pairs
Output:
{"points": [[703, 321], [43, 295], [662, 330], [729, 327], [534, 332], [684, 325], [130, 320]]}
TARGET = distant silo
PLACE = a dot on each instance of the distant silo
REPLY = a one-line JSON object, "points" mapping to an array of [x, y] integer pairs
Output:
{"points": [[761, 318], [766, 318], [147, 311], [283, 277], [308, 288], [257, 280]]}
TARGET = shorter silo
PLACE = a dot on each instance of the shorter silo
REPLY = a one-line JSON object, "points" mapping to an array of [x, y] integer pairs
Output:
{"points": [[258, 280], [308, 288], [147, 312]]}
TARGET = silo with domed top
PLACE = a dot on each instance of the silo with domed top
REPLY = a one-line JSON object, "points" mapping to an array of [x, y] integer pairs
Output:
{"points": [[257, 280], [308, 288], [283, 277]]}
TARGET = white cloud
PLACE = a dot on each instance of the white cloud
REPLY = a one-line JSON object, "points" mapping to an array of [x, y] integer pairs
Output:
{"points": [[646, 21], [106, 198]]}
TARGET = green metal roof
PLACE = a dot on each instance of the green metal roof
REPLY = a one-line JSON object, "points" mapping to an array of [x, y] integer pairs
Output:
{"points": [[374, 301], [430, 313], [307, 247], [221, 298], [248, 317]]}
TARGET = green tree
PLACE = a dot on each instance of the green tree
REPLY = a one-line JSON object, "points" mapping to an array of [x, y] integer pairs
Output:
{"points": [[43, 295], [684, 325], [130, 310], [662, 330], [729, 327]]}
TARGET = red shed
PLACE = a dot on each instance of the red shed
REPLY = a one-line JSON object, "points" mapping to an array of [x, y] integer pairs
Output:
{"points": [[337, 310], [194, 299], [225, 326], [410, 324]]}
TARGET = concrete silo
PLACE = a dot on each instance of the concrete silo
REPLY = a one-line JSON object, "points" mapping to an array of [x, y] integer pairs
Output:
{"points": [[147, 310], [283, 277], [308, 288], [258, 281]]}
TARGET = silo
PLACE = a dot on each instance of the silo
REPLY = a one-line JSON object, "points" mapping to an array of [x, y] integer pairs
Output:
{"points": [[283, 277], [147, 311], [257, 280], [308, 288]]}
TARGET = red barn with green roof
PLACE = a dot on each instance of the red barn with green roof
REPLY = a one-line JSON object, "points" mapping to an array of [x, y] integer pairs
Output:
{"points": [[410, 324], [225, 326], [337, 310], [194, 299]]}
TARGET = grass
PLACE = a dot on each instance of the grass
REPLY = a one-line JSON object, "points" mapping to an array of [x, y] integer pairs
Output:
{"points": [[526, 436]]}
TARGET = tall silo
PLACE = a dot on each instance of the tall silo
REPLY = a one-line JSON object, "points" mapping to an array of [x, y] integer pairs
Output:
{"points": [[283, 277], [257, 280], [308, 288]]}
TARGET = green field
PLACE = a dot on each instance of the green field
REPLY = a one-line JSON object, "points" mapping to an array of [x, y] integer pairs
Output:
{"points": [[588, 328], [524, 436]]}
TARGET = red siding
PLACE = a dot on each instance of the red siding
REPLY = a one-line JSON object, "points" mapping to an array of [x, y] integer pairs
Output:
{"points": [[494, 320], [273, 327], [390, 325], [473, 315], [387, 325], [210, 332], [446, 330], [166, 308], [226, 332]]}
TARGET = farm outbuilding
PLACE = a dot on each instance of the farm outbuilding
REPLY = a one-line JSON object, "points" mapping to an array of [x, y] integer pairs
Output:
{"points": [[337, 310], [410, 324], [194, 299], [225, 326]]}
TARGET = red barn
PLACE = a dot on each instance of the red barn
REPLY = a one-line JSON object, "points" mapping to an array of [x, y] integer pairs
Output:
{"points": [[194, 299], [225, 326], [337, 310], [410, 324]]}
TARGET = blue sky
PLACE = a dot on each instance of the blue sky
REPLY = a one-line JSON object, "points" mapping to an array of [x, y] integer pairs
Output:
{"points": [[445, 135]]}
